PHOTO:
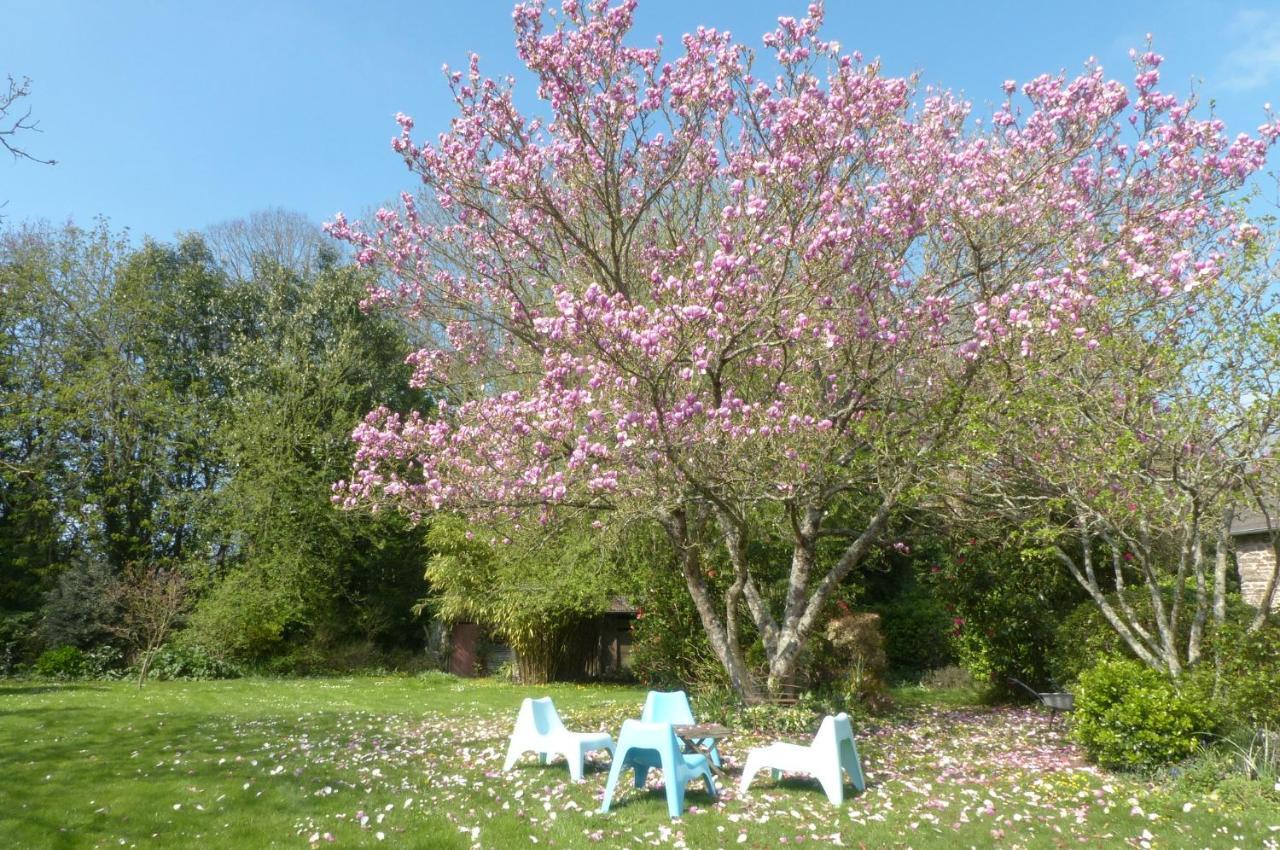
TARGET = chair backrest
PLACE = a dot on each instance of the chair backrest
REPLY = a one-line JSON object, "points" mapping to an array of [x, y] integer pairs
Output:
{"points": [[667, 707], [657, 736], [543, 717], [834, 730]]}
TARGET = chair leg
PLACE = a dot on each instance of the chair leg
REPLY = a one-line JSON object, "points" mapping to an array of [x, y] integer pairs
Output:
{"points": [[714, 753], [832, 783], [513, 752], [753, 766], [851, 762], [710, 783], [641, 775], [675, 799], [611, 784], [575, 757]]}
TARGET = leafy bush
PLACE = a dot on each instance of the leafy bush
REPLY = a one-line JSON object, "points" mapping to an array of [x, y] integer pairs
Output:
{"points": [[1084, 637], [1003, 601], [16, 635], [244, 617], [190, 662], [916, 626], [1251, 674], [1129, 716], [857, 637], [104, 661], [63, 662]]}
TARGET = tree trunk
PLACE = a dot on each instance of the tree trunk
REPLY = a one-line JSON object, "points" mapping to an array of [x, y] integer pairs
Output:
{"points": [[721, 635]]}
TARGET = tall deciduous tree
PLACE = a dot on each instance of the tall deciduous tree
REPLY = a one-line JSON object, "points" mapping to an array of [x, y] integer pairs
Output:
{"points": [[692, 288], [1124, 464]]}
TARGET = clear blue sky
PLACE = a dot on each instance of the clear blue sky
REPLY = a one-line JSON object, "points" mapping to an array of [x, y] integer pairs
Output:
{"points": [[171, 116]]}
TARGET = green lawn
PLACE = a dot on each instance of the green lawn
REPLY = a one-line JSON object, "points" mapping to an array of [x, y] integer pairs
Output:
{"points": [[415, 763]]}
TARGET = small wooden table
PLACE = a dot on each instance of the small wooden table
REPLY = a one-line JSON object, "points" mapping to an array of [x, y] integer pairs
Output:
{"points": [[693, 734]]}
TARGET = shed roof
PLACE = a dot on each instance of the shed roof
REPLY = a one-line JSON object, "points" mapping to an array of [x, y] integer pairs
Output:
{"points": [[1253, 522]]}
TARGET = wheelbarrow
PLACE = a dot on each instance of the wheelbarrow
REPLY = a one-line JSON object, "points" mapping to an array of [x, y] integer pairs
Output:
{"points": [[1058, 702]]}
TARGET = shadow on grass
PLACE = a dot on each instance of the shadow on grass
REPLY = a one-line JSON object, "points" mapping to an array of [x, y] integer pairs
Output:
{"points": [[52, 687]]}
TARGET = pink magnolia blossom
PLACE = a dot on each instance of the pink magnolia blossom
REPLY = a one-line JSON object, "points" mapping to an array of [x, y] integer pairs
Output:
{"points": [[747, 279]]}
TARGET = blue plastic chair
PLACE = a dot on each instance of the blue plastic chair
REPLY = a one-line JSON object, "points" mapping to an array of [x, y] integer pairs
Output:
{"points": [[673, 707], [644, 746]]}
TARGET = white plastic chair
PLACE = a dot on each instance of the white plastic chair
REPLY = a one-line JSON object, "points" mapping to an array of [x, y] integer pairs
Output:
{"points": [[540, 730], [833, 750]]}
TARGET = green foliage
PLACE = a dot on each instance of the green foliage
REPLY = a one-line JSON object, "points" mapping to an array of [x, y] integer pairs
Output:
{"points": [[301, 571], [190, 662], [1131, 717], [63, 662], [105, 661], [530, 591], [246, 614], [345, 659], [16, 631], [154, 409], [669, 648], [82, 608], [1004, 603], [1083, 637], [1250, 674], [917, 629]]}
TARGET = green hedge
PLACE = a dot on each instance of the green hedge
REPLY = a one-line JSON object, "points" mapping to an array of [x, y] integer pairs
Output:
{"points": [[1130, 717]]}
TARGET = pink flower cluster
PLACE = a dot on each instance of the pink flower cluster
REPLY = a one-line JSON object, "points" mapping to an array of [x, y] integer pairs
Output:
{"points": [[692, 273]]}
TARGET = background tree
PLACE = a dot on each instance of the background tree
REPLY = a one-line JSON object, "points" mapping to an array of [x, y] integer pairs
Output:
{"points": [[154, 409], [268, 238], [1122, 463], [703, 294], [15, 119], [295, 569]]}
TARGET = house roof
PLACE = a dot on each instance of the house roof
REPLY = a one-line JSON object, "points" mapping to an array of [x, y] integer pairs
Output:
{"points": [[1253, 522], [621, 605]]}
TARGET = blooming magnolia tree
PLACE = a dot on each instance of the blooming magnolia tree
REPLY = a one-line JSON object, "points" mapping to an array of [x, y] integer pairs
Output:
{"points": [[691, 289]]}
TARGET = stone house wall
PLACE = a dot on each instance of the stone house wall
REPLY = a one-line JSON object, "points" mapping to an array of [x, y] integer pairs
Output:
{"points": [[1255, 560]]}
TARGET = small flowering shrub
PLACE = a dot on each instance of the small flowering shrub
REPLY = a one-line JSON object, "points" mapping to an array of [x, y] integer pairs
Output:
{"points": [[1129, 716], [63, 662], [104, 662]]}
